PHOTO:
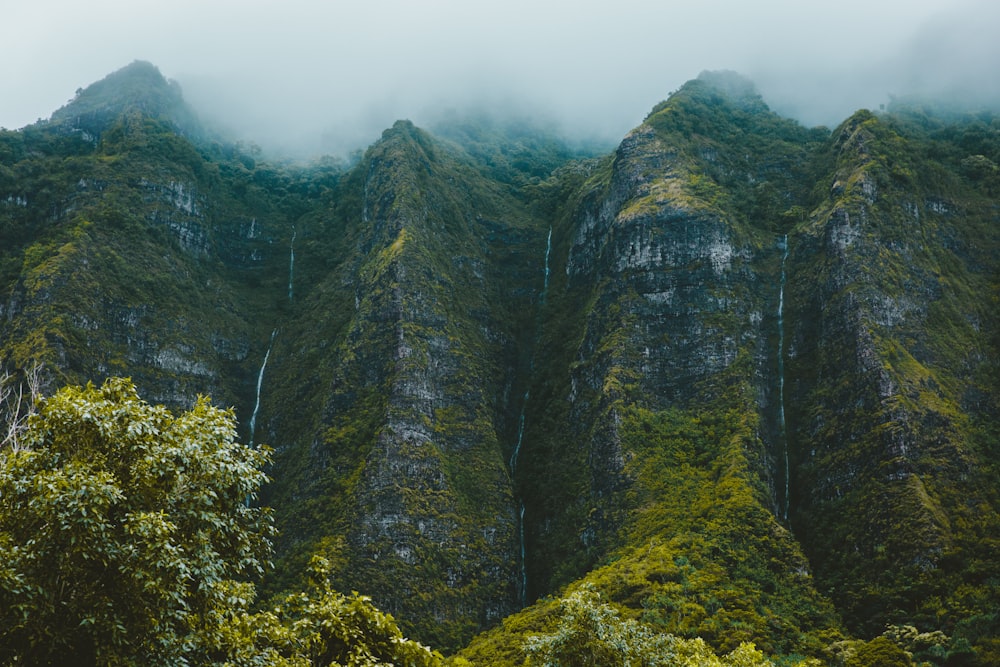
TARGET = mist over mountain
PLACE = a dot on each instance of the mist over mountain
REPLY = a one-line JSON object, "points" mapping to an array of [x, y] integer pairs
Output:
{"points": [[948, 56], [306, 78]]}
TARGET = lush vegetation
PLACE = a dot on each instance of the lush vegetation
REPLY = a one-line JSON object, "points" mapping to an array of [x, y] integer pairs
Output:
{"points": [[596, 519], [130, 536], [920, 517], [590, 632], [501, 370]]}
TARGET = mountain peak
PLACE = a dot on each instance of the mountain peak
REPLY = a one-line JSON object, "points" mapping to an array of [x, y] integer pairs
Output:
{"points": [[732, 84], [726, 86], [711, 93], [139, 86]]}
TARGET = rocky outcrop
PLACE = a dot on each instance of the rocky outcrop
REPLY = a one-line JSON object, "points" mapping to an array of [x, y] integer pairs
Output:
{"points": [[681, 294]]}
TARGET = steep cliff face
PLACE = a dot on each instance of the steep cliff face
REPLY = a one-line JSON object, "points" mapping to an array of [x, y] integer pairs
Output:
{"points": [[688, 373], [114, 254], [824, 372], [890, 355], [681, 285], [647, 445], [414, 438]]}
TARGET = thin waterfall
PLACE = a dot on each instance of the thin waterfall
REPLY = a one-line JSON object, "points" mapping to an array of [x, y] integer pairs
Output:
{"points": [[515, 454], [548, 251], [520, 521], [524, 560], [782, 433], [364, 200], [291, 263], [260, 381], [520, 436]]}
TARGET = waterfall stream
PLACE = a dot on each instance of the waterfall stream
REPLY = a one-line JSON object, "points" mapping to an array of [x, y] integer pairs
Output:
{"points": [[260, 381], [520, 436], [548, 251], [515, 454], [520, 520], [782, 434], [524, 560], [364, 200]]}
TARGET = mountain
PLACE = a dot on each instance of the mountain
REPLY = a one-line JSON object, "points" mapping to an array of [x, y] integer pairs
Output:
{"points": [[137, 89], [739, 376]]}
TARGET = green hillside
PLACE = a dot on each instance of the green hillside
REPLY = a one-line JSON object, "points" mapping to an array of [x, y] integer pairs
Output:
{"points": [[734, 382]]}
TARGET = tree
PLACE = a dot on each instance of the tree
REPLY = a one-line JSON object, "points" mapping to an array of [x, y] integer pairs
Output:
{"points": [[324, 627], [19, 394], [125, 535], [879, 652], [591, 633]]}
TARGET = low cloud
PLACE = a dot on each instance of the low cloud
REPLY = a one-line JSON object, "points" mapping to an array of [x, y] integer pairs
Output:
{"points": [[309, 76]]}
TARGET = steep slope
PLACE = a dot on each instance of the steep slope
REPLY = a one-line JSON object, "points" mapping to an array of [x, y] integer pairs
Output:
{"points": [[127, 251], [687, 373], [373, 335], [138, 88], [649, 436], [401, 475], [725, 365], [892, 356]]}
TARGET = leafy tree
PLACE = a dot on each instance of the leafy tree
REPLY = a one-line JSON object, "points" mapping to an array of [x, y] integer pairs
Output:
{"points": [[125, 533], [879, 652], [591, 633], [325, 627], [127, 537]]}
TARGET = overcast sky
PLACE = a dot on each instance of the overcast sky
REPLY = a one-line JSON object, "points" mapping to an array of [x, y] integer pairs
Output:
{"points": [[331, 74]]}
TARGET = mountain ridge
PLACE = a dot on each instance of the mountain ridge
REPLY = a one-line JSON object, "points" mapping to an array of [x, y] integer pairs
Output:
{"points": [[686, 372]]}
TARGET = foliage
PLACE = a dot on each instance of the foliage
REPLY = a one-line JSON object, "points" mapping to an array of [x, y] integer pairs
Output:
{"points": [[128, 536], [933, 647], [880, 652], [705, 559], [700, 558], [519, 151], [741, 157], [126, 532], [138, 86], [590, 632], [328, 628]]}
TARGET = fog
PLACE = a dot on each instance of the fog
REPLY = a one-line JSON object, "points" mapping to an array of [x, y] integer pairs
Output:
{"points": [[311, 76]]}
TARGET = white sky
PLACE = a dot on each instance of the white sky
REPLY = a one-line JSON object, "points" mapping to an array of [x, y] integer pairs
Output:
{"points": [[333, 73]]}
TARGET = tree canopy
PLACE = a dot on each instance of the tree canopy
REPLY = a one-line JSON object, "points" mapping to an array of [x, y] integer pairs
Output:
{"points": [[129, 536], [592, 633]]}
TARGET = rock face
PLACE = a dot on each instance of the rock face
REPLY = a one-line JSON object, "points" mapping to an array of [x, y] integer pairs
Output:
{"points": [[433, 493], [682, 291], [687, 372], [413, 433], [667, 279], [130, 237], [887, 357]]}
